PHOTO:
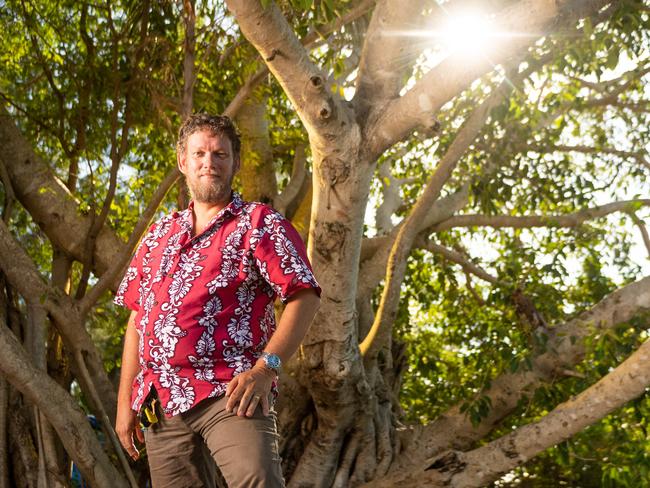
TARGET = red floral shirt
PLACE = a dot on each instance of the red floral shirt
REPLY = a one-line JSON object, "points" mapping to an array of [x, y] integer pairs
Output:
{"points": [[205, 303]]}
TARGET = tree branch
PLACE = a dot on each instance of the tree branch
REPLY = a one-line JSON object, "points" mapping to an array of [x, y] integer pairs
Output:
{"points": [[392, 200], [487, 463], [521, 222], [49, 202], [61, 411], [298, 176], [644, 231], [22, 274], [375, 251], [323, 31], [417, 108], [45, 66], [565, 348], [236, 104], [640, 156], [257, 174], [458, 258], [10, 196], [85, 90], [189, 45], [618, 84], [385, 57], [308, 41], [117, 154], [381, 329], [121, 259], [287, 59]]}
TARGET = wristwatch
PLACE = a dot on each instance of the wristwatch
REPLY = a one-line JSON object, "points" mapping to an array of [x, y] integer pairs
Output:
{"points": [[272, 361]]}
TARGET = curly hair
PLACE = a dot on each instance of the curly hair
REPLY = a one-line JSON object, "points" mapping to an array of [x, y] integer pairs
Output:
{"points": [[220, 125]]}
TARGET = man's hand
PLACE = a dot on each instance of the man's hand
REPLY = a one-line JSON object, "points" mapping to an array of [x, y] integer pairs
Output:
{"points": [[126, 424], [127, 420], [249, 389]]}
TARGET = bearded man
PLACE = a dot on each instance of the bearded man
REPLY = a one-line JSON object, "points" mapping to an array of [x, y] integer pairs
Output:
{"points": [[201, 343]]}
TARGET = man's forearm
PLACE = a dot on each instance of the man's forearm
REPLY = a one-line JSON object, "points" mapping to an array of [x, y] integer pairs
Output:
{"points": [[250, 388], [294, 323], [130, 364], [126, 421]]}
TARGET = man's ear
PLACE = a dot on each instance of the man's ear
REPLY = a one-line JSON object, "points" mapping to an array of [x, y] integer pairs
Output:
{"points": [[181, 160]]}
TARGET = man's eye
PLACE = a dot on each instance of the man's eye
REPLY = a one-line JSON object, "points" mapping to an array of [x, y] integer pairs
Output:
{"points": [[198, 153]]}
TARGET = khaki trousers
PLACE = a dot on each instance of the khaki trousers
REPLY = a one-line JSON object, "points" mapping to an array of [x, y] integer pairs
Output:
{"points": [[182, 450]]}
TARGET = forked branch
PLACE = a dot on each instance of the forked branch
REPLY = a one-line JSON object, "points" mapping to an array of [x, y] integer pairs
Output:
{"points": [[564, 349], [380, 331], [487, 463]]}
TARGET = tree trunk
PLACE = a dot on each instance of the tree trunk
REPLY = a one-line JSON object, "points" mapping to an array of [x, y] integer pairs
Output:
{"points": [[4, 399], [23, 452], [257, 173], [61, 411], [4, 437]]}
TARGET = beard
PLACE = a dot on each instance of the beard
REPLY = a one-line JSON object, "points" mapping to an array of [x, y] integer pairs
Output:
{"points": [[209, 190]]}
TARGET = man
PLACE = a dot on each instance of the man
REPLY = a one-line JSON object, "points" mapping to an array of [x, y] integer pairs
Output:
{"points": [[201, 338]]}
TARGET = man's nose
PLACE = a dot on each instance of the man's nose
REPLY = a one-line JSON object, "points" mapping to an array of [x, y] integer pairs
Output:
{"points": [[210, 159]]}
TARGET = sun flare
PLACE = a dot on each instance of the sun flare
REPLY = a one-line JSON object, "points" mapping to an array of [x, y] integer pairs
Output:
{"points": [[467, 33], [471, 35]]}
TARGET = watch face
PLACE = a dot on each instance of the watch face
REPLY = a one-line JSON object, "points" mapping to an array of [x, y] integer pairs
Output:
{"points": [[272, 361]]}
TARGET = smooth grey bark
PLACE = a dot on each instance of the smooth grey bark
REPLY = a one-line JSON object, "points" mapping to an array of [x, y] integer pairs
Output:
{"points": [[256, 156], [48, 200], [487, 463], [22, 274], [61, 411]]}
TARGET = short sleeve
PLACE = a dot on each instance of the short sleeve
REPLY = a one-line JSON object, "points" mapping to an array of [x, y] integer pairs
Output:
{"points": [[128, 293], [282, 259]]}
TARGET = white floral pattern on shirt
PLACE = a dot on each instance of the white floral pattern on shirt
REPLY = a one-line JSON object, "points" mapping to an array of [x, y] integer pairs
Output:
{"points": [[205, 302]]}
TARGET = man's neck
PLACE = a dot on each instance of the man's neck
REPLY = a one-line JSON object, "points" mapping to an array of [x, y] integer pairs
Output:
{"points": [[204, 212]]}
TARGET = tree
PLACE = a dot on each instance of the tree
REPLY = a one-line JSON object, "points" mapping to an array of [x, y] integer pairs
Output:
{"points": [[534, 151]]}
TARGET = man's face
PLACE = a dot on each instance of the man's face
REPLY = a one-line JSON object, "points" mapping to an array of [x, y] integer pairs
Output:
{"points": [[209, 167]]}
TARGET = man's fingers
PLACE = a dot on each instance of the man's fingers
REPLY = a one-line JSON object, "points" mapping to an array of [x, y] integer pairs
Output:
{"points": [[134, 453], [245, 401], [265, 405], [232, 399], [140, 435], [126, 425], [244, 393], [253, 405], [232, 385], [127, 443]]}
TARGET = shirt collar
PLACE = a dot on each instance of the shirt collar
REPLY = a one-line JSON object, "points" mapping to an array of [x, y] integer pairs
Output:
{"points": [[233, 208]]}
